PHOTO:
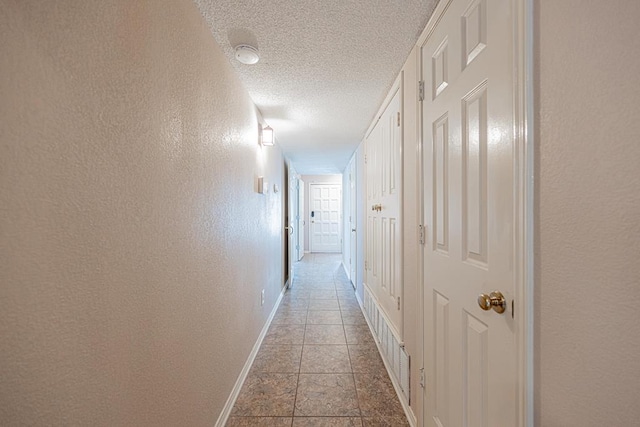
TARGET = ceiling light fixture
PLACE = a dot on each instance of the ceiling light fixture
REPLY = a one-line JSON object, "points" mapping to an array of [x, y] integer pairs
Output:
{"points": [[247, 54], [266, 136]]}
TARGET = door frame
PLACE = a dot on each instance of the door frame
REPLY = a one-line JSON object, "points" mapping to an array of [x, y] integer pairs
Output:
{"points": [[301, 219], [526, 120], [290, 221], [353, 223], [524, 103]]}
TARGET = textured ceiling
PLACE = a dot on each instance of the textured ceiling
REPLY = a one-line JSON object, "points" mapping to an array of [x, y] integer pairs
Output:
{"points": [[325, 66]]}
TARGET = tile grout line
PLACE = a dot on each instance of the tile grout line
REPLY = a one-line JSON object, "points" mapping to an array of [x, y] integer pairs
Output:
{"points": [[295, 398], [353, 376]]}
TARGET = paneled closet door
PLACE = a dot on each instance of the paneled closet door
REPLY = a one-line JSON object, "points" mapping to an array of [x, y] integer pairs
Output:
{"points": [[470, 193], [384, 232]]}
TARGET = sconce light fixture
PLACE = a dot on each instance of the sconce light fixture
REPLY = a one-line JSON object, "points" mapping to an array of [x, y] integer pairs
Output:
{"points": [[266, 136]]}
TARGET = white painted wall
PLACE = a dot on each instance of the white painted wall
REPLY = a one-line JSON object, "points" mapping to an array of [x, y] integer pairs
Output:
{"points": [[587, 215], [314, 179], [128, 214]]}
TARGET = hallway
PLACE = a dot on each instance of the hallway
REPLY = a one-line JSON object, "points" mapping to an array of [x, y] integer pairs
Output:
{"points": [[318, 364]]}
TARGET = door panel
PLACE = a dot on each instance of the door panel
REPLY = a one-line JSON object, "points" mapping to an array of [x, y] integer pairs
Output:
{"points": [[470, 207], [474, 175], [476, 365], [440, 359], [441, 183]]}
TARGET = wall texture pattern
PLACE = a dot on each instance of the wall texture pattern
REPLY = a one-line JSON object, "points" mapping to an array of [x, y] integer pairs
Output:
{"points": [[587, 214], [133, 242]]}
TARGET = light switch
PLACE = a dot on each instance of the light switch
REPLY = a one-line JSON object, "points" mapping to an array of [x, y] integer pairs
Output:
{"points": [[261, 184]]}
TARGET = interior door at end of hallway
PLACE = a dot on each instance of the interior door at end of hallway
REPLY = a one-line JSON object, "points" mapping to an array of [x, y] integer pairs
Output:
{"points": [[325, 217]]}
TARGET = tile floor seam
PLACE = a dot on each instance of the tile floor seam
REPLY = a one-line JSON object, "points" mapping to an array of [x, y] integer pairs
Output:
{"points": [[354, 376], [295, 399], [356, 393]]}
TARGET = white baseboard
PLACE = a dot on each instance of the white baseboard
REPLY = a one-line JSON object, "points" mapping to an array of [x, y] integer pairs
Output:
{"points": [[346, 271], [226, 411], [344, 267]]}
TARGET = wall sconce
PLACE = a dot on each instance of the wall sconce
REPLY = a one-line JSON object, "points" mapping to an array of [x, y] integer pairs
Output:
{"points": [[266, 136]]}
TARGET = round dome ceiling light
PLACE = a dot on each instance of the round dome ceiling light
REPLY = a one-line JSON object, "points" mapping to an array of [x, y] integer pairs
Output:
{"points": [[247, 54]]}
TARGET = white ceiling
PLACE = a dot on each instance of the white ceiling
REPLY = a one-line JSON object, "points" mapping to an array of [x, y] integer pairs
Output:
{"points": [[325, 66]]}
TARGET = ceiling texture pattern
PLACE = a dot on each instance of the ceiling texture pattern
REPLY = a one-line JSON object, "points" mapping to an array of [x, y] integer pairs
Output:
{"points": [[324, 69]]}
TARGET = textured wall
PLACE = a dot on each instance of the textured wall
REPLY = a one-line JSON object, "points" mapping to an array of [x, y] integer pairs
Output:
{"points": [[587, 213], [133, 246]]}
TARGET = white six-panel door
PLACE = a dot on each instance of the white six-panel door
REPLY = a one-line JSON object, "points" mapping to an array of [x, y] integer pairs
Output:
{"points": [[470, 195], [383, 275], [325, 207]]}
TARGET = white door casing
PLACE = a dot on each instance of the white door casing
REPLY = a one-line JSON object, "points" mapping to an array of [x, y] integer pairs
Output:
{"points": [[383, 265], [301, 220], [352, 222], [292, 225], [472, 172], [325, 210]]}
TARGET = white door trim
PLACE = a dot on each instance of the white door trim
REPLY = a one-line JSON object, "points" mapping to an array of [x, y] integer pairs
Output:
{"points": [[301, 219], [395, 87], [353, 212], [525, 104], [524, 135]]}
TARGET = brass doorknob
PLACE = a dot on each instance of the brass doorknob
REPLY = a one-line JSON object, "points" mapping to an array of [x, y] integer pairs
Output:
{"points": [[494, 300]]}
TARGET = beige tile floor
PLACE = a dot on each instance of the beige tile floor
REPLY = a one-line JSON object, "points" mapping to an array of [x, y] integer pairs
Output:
{"points": [[318, 364]]}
